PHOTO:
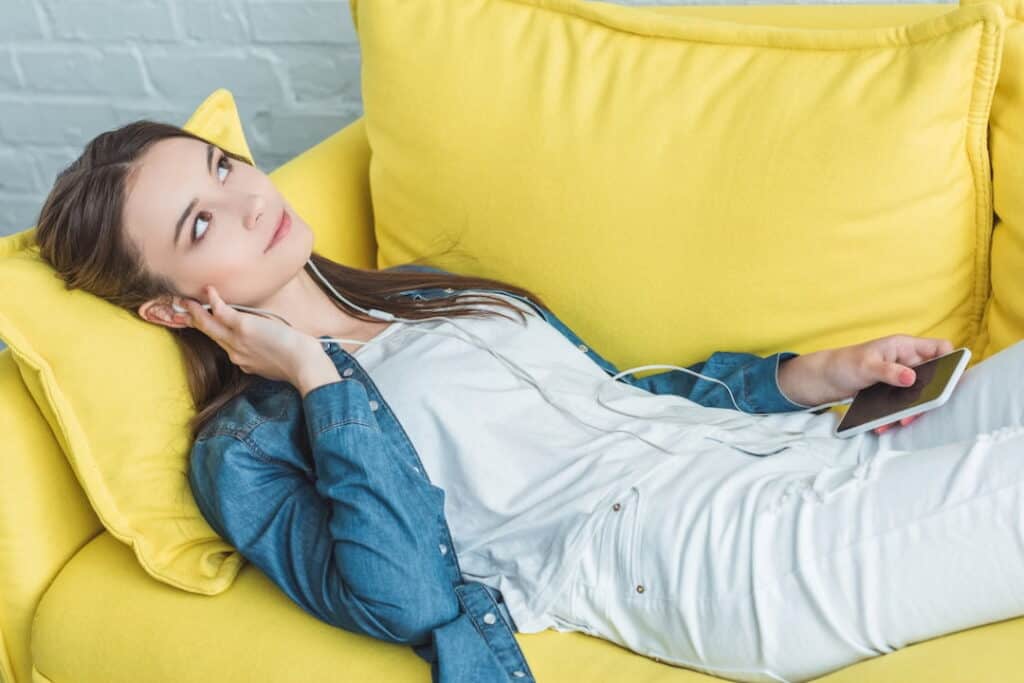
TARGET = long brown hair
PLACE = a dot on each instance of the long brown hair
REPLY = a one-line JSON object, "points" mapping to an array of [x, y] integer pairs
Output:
{"points": [[80, 233]]}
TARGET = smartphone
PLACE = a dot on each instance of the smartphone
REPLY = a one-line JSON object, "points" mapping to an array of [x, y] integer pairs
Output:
{"points": [[882, 403]]}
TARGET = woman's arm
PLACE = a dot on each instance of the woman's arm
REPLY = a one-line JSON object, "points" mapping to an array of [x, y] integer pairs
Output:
{"points": [[316, 372], [755, 382], [357, 547], [800, 378]]}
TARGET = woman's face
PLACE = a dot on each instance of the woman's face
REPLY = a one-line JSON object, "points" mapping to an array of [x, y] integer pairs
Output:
{"points": [[202, 218]]}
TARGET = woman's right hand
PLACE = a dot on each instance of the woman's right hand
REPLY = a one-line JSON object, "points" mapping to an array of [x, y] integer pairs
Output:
{"points": [[257, 345]]}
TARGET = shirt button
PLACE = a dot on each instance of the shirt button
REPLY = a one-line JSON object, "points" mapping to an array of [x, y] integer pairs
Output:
{"points": [[518, 674], [489, 618], [583, 348], [617, 507], [374, 405], [444, 549], [347, 372], [640, 588]]}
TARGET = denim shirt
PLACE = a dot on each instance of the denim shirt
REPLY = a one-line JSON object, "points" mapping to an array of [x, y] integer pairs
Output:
{"points": [[328, 497]]}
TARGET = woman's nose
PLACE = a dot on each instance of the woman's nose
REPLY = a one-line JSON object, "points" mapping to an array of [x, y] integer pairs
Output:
{"points": [[255, 211]]}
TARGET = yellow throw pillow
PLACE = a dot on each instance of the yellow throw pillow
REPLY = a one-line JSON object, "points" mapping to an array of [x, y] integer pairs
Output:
{"points": [[113, 390], [676, 185], [1005, 315]]}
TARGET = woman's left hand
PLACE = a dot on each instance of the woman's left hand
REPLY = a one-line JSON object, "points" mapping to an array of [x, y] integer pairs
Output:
{"points": [[889, 359], [904, 421]]}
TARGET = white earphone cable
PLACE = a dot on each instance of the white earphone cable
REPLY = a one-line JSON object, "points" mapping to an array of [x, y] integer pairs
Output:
{"points": [[384, 315], [519, 372]]}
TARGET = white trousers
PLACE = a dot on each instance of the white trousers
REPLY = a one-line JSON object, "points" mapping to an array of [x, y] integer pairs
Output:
{"points": [[787, 567]]}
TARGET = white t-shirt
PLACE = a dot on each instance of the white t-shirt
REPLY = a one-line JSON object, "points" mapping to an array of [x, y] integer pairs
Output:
{"points": [[522, 479]]}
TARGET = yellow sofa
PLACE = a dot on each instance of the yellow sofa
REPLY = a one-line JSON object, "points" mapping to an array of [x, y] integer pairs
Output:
{"points": [[76, 606]]}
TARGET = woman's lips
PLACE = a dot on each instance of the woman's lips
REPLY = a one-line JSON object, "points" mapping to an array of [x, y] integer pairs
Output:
{"points": [[282, 229]]}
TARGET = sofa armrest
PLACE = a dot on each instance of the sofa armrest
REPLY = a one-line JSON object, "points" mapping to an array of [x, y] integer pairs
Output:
{"points": [[45, 517]]}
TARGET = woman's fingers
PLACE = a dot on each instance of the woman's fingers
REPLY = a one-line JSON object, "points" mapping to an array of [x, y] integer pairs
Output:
{"points": [[207, 323], [903, 421], [221, 310]]}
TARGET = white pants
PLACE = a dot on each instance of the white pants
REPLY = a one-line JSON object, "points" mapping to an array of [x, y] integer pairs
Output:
{"points": [[789, 566]]}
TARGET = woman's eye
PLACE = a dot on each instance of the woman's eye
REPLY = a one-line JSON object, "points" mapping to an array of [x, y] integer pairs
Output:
{"points": [[196, 236], [225, 161]]}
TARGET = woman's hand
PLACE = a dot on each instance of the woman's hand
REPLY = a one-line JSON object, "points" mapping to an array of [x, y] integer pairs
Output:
{"points": [[833, 375], [903, 422], [257, 345], [888, 359]]}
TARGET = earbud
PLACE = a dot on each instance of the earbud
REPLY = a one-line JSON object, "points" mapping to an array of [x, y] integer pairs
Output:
{"points": [[179, 309]]}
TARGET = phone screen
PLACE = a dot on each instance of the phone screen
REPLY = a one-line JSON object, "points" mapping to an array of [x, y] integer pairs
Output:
{"points": [[883, 399]]}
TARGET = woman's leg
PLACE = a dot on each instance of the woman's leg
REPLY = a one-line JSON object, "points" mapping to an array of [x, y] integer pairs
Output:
{"points": [[782, 568]]}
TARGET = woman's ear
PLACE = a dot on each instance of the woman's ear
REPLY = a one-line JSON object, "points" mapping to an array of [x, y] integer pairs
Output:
{"points": [[162, 312]]}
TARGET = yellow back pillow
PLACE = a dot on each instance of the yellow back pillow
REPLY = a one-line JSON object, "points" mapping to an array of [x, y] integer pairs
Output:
{"points": [[677, 185], [113, 389]]}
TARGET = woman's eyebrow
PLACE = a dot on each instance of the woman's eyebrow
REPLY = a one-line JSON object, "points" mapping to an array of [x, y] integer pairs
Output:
{"points": [[191, 205]]}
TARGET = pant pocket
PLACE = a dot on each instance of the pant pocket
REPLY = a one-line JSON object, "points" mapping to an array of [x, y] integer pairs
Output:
{"points": [[613, 563], [631, 541]]}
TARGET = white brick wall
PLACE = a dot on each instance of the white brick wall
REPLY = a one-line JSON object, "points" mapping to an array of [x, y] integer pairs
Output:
{"points": [[70, 69]]}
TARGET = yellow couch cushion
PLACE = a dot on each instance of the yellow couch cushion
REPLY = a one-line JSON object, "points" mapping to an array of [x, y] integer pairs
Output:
{"points": [[113, 390], [1005, 316], [701, 184], [103, 613]]}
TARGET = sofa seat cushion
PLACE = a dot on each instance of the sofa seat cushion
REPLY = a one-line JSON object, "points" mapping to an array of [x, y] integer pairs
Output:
{"points": [[105, 620]]}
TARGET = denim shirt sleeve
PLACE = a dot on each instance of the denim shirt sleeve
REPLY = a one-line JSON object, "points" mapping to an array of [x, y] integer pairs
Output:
{"points": [[355, 548], [753, 380], [348, 547]]}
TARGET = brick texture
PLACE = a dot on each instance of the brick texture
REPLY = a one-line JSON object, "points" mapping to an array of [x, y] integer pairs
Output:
{"points": [[71, 69]]}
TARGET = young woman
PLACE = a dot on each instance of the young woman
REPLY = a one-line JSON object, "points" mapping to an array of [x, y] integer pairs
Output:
{"points": [[625, 519]]}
